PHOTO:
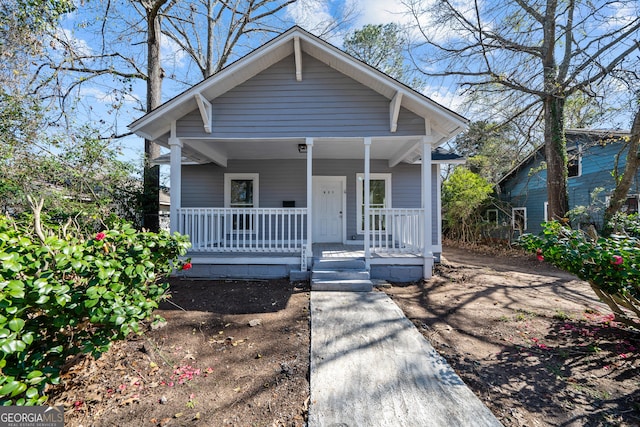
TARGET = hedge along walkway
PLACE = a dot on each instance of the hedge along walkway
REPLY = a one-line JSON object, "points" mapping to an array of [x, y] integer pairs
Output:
{"points": [[371, 367]]}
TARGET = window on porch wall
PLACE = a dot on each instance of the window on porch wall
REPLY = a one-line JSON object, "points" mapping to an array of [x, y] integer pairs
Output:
{"points": [[379, 197], [241, 191]]}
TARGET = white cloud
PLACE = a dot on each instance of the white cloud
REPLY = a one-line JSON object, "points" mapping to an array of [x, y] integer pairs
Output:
{"points": [[446, 96], [107, 98], [381, 12], [311, 15], [66, 40], [623, 14], [171, 52]]}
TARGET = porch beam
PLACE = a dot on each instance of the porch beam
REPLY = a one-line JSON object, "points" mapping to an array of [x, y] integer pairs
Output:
{"points": [[309, 143], [298, 57], [427, 251], [367, 197], [175, 176], [394, 111], [406, 149], [206, 111], [209, 150], [436, 129]]}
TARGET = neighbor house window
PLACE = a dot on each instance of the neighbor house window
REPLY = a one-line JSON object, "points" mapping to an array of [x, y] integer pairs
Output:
{"points": [[241, 191], [519, 218], [492, 216], [631, 205], [379, 197], [574, 163]]}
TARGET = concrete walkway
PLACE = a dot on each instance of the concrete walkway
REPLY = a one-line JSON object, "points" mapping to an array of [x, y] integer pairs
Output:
{"points": [[371, 367]]}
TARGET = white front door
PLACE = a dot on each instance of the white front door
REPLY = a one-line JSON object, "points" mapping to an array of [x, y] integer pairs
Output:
{"points": [[328, 208]]}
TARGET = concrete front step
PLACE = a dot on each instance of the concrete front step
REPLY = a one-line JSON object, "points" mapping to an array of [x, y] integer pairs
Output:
{"points": [[339, 264], [340, 275], [348, 285], [336, 274]]}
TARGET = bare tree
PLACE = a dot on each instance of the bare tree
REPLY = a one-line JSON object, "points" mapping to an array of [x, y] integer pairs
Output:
{"points": [[131, 34], [631, 78], [531, 55], [209, 31]]}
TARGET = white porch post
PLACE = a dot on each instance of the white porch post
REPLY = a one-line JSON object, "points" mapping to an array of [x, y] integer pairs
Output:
{"points": [[367, 197], [309, 142], [175, 177], [439, 205], [427, 251]]}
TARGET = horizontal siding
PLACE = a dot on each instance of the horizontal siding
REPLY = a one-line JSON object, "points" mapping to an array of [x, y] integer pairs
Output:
{"points": [[325, 103], [280, 180], [529, 189]]}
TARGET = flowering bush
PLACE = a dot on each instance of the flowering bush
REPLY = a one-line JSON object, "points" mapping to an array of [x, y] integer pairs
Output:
{"points": [[610, 265], [62, 295]]}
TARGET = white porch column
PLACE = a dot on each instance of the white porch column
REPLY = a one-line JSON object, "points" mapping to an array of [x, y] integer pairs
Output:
{"points": [[427, 252], [309, 142], [439, 205], [367, 197], [175, 177]]}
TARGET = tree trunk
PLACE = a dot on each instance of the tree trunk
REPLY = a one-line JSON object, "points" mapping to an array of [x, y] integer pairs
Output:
{"points": [[555, 147], [210, 26], [556, 156], [151, 193], [619, 195]]}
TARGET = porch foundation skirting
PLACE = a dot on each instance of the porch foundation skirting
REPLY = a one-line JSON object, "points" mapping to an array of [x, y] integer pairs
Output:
{"points": [[254, 266]]}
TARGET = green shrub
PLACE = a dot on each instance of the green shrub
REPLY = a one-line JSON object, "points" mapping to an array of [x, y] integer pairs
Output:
{"points": [[69, 294], [611, 265]]}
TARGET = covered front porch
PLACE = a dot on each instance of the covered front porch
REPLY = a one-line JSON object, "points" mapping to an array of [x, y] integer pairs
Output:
{"points": [[382, 234]]}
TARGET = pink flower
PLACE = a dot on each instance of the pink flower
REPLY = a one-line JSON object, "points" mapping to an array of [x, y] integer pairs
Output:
{"points": [[186, 266], [100, 236], [539, 255], [617, 260]]}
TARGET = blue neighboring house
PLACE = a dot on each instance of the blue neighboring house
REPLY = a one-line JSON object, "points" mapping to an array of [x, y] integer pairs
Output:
{"points": [[592, 156]]}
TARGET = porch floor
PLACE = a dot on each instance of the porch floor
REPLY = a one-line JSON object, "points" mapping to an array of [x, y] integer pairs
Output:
{"points": [[320, 250]]}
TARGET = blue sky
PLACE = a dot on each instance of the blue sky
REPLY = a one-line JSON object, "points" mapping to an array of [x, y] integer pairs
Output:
{"points": [[100, 96]]}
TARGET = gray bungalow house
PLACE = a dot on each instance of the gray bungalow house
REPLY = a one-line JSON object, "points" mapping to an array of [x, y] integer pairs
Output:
{"points": [[592, 156], [298, 152]]}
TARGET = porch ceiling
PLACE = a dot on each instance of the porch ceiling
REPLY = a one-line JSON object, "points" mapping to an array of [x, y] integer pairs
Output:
{"points": [[205, 150]]}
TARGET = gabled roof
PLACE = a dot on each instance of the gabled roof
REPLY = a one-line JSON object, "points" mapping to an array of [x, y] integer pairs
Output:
{"points": [[571, 135], [444, 122]]}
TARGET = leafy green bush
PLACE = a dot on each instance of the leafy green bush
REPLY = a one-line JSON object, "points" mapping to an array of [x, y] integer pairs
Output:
{"points": [[462, 194], [611, 265], [62, 295]]}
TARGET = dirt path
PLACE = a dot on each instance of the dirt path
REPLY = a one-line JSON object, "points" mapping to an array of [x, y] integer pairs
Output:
{"points": [[533, 342]]}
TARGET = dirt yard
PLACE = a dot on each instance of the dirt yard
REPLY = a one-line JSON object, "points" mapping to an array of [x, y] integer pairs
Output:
{"points": [[531, 341], [231, 353]]}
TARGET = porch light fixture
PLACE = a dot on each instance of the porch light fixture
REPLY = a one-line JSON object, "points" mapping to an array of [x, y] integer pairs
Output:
{"points": [[302, 148]]}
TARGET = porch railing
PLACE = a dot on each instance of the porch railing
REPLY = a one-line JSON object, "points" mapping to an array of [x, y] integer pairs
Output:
{"points": [[244, 229], [396, 230]]}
